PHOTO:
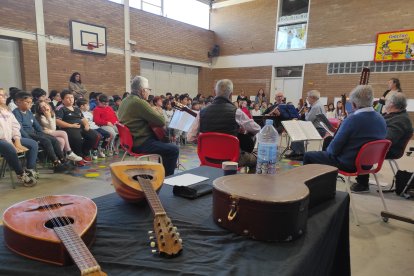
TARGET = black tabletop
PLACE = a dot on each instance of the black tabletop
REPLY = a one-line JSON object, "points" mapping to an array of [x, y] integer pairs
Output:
{"points": [[122, 245]]}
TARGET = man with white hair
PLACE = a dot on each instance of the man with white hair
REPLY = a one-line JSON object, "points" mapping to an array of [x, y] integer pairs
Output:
{"points": [[316, 108], [222, 116], [399, 130], [136, 113], [362, 126]]}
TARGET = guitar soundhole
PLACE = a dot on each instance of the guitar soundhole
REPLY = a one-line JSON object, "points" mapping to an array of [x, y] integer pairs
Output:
{"points": [[58, 222], [144, 176]]}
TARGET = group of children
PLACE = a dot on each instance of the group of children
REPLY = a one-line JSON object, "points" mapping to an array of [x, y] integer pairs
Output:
{"points": [[64, 129]]}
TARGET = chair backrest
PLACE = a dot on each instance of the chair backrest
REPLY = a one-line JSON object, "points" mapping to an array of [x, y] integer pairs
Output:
{"points": [[125, 137], [371, 156], [214, 148], [401, 153]]}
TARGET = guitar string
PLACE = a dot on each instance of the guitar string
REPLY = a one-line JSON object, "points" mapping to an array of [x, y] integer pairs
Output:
{"points": [[55, 220], [59, 223], [90, 260]]}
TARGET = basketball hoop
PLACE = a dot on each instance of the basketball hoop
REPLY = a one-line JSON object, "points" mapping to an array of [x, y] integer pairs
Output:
{"points": [[93, 45]]}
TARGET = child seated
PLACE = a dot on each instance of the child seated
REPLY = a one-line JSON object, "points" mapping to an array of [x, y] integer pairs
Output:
{"points": [[47, 119], [105, 136], [11, 143], [30, 128], [104, 116]]}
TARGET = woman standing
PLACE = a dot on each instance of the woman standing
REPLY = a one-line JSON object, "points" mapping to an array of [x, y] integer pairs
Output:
{"points": [[76, 86], [394, 86], [260, 97]]}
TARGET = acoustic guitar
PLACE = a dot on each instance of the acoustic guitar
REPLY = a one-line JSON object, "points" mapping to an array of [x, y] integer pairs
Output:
{"points": [[136, 180], [54, 229], [247, 140]]}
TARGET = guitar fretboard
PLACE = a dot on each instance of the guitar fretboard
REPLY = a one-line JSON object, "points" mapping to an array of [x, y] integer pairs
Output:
{"points": [[151, 195], [77, 249]]}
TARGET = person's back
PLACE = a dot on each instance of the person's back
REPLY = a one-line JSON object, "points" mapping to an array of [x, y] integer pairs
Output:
{"points": [[355, 131], [137, 115], [219, 116]]}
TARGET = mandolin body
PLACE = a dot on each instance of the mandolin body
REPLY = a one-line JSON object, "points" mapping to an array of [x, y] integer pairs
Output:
{"points": [[26, 232], [125, 182]]}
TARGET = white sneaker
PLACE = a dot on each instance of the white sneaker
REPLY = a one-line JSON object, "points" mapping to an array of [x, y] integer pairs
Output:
{"points": [[73, 157], [101, 154], [32, 173], [27, 180]]}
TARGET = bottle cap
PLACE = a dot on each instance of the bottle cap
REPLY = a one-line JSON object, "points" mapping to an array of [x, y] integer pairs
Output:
{"points": [[269, 122]]}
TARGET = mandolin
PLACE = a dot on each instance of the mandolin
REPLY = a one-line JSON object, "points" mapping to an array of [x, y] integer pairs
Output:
{"points": [[136, 180], [54, 229]]}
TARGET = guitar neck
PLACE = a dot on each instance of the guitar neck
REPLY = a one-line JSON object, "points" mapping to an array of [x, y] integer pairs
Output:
{"points": [[78, 250], [151, 196], [184, 108]]}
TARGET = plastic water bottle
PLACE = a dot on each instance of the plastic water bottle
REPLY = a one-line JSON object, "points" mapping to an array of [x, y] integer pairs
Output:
{"points": [[267, 150]]}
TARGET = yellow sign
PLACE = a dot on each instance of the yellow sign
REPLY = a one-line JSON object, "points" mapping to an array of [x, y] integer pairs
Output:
{"points": [[395, 46]]}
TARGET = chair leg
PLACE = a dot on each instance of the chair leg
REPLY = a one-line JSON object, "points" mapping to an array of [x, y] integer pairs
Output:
{"points": [[380, 192], [348, 184], [123, 156]]}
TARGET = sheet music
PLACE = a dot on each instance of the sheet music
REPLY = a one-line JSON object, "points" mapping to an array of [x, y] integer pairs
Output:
{"points": [[326, 128], [184, 179], [310, 131], [181, 120], [301, 130]]}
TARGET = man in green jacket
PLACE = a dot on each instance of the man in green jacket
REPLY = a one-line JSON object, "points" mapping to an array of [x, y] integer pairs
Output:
{"points": [[136, 113]]}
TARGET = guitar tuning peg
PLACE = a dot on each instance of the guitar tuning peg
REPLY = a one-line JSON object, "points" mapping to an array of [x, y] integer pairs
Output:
{"points": [[154, 251], [151, 238], [150, 232], [180, 240], [178, 234], [175, 228], [152, 244]]}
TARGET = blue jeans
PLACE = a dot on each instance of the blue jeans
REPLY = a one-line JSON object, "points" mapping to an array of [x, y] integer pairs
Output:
{"points": [[9, 153], [324, 158], [168, 152]]}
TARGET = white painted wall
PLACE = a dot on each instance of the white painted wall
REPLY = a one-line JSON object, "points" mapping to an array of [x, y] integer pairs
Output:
{"points": [[167, 77]]}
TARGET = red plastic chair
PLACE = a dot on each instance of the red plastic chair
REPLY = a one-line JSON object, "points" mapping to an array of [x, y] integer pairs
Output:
{"points": [[213, 148], [371, 154], [126, 142]]}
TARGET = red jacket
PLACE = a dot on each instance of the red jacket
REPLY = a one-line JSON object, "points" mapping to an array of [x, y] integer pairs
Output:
{"points": [[104, 114]]}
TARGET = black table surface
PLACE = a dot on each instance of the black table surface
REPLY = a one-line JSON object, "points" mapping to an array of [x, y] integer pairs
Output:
{"points": [[122, 244]]}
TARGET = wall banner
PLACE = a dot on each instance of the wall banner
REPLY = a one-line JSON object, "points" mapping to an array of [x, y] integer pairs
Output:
{"points": [[395, 46]]}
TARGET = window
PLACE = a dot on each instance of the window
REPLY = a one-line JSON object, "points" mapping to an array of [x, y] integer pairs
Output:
{"points": [[191, 12], [356, 67], [292, 24], [289, 72]]}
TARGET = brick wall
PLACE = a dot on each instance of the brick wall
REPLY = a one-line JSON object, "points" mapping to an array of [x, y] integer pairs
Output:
{"points": [[99, 73], [29, 60], [337, 22], [18, 15], [58, 13], [245, 28], [249, 79], [160, 35]]}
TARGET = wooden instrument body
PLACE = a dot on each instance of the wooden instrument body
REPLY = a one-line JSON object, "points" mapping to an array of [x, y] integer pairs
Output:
{"points": [[272, 207], [126, 186], [26, 234]]}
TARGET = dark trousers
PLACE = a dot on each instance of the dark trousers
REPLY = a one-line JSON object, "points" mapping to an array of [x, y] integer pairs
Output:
{"points": [[82, 141], [169, 153], [324, 158], [8, 151], [103, 136], [49, 144]]}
